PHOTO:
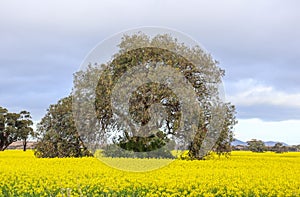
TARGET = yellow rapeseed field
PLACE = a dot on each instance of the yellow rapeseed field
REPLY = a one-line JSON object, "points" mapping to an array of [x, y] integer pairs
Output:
{"points": [[243, 174]]}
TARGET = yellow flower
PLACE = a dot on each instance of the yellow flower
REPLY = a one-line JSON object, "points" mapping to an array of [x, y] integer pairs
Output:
{"points": [[243, 174]]}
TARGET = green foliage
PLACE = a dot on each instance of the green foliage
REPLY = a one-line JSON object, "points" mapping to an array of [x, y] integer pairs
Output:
{"points": [[256, 146], [223, 144], [279, 148], [58, 136], [154, 146], [114, 150], [25, 130], [142, 144]]}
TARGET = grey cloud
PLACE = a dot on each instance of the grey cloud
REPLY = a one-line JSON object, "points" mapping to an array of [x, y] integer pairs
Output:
{"points": [[268, 112], [44, 43]]}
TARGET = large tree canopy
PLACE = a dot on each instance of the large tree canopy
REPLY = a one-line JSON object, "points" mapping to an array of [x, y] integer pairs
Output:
{"points": [[155, 108]]}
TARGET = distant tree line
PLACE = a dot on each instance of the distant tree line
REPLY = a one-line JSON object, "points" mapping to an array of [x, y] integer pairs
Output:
{"points": [[14, 127], [259, 146]]}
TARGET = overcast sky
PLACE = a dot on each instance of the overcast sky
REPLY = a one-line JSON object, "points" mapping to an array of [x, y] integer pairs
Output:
{"points": [[257, 42]]}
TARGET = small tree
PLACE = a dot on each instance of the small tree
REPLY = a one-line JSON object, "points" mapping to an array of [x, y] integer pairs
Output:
{"points": [[24, 127], [256, 146], [279, 148], [57, 132], [13, 127]]}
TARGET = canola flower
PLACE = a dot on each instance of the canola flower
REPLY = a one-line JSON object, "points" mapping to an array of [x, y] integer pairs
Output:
{"points": [[243, 174]]}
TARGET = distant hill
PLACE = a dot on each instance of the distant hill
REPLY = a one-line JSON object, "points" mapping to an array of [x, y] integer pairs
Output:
{"points": [[272, 143], [237, 142]]}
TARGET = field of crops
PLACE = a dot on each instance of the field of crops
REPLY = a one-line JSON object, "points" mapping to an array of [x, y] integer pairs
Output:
{"points": [[243, 174]]}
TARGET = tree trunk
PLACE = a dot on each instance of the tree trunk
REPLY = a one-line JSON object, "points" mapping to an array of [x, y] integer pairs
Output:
{"points": [[24, 144], [195, 146], [5, 146], [1, 145]]}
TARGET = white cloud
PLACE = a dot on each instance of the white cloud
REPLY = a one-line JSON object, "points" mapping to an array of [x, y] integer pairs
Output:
{"points": [[284, 131], [249, 92]]}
